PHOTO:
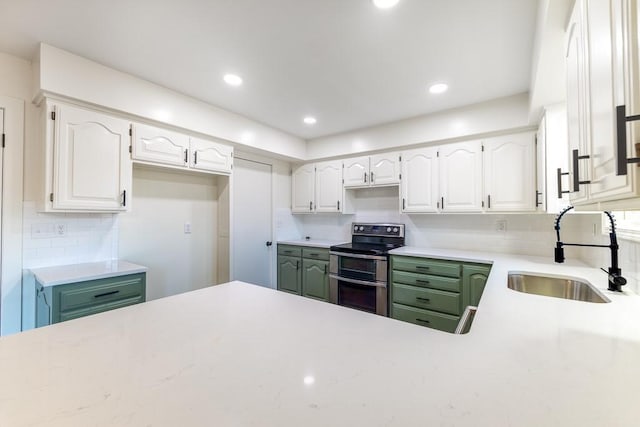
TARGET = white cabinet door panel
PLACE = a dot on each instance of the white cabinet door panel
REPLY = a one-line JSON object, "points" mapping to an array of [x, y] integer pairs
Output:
{"points": [[385, 169], [328, 186], [92, 169], [303, 188], [461, 177], [210, 156], [419, 183], [158, 145], [509, 173], [356, 172]]}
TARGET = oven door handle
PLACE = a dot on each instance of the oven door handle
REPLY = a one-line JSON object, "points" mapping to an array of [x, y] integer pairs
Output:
{"points": [[358, 282], [348, 255]]}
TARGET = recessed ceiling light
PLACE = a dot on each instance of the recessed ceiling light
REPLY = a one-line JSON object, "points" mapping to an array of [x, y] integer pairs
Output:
{"points": [[385, 4], [438, 88], [232, 80], [310, 120]]}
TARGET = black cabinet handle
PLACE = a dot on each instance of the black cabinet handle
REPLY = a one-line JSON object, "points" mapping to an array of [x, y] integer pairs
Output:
{"points": [[560, 174], [365, 177], [621, 142], [422, 282], [403, 204], [195, 157], [124, 197], [489, 201], [186, 155], [423, 321], [371, 177], [106, 294], [442, 200], [297, 265], [325, 269], [576, 171], [423, 267], [338, 205], [310, 206], [423, 299]]}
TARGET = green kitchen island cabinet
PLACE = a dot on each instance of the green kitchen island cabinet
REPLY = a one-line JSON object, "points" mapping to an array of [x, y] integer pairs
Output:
{"points": [[304, 270], [434, 292], [68, 292]]}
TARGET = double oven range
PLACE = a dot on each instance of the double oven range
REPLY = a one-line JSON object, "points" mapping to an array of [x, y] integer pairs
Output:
{"points": [[358, 271]]}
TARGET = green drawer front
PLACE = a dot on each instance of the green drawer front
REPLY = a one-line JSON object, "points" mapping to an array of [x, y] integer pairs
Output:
{"points": [[97, 292], [74, 314], [289, 250], [430, 299], [316, 253], [431, 319], [426, 280], [427, 266]]}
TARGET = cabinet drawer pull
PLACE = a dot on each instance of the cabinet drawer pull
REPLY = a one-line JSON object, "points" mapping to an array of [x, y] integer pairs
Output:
{"points": [[422, 267], [423, 299], [423, 321], [423, 282], [195, 158], [297, 265], [314, 254], [186, 155], [287, 252], [365, 177], [106, 294], [576, 170], [325, 269]]}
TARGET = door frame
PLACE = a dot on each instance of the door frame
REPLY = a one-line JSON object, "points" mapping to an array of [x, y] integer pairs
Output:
{"points": [[11, 216], [250, 157]]}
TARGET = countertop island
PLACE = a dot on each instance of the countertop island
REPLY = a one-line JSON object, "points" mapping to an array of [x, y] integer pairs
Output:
{"points": [[241, 355]]}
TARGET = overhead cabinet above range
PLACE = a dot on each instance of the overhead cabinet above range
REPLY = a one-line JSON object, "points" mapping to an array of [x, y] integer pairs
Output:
{"points": [[157, 146], [372, 171], [317, 187]]}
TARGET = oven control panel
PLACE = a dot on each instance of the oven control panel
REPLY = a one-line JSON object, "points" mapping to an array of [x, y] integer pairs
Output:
{"points": [[382, 230]]}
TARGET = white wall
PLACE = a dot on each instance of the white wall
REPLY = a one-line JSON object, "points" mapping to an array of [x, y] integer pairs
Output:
{"points": [[491, 117], [152, 234]]}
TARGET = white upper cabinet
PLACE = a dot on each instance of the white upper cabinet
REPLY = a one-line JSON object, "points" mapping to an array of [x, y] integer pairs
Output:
{"points": [[419, 185], [602, 73], [509, 173], [356, 172], [384, 169], [210, 156], [91, 169], [461, 177], [329, 186], [157, 145], [303, 188], [377, 170]]}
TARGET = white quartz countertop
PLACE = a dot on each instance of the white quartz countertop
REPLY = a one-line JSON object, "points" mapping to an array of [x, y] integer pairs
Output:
{"points": [[315, 243], [59, 274], [241, 355]]}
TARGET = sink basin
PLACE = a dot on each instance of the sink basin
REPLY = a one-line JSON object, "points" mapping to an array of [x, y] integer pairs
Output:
{"points": [[556, 287]]}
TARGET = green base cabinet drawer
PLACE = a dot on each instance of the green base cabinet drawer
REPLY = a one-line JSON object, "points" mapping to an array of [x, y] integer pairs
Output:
{"points": [[427, 266], [426, 280], [316, 253], [431, 319], [289, 250], [72, 300], [429, 299]]}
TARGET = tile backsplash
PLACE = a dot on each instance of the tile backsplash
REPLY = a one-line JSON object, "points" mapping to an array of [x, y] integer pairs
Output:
{"points": [[67, 238]]}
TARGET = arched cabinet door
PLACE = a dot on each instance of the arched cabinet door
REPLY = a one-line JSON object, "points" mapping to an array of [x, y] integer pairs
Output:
{"points": [[210, 156]]}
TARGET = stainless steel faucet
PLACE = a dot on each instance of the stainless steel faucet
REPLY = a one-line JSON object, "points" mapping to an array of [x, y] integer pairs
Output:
{"points": [[616, 281]]}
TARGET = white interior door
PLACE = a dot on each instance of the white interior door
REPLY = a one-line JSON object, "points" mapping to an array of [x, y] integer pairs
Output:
{"points": [[252, 222]]}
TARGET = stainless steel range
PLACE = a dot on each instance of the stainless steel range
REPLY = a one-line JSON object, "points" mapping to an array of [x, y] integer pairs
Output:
{"points": [[358, 271]]}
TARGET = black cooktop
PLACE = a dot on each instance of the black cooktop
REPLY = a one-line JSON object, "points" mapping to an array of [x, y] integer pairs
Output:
{"points": [[365, 248]]}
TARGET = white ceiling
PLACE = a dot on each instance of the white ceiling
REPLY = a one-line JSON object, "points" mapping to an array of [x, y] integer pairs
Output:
{"points": [[343, 61]]}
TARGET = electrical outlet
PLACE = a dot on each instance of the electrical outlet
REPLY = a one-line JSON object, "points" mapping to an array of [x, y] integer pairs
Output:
{"points": [[61, 230], [501, 225], [187, 228]]}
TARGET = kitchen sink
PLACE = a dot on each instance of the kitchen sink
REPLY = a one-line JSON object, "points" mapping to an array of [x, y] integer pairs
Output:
{"points": [[556, 287]]}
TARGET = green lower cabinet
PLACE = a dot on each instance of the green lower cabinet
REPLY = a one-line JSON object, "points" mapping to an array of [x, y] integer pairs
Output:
{"points": [[315, 279], [72, 300], [290, 274], [474, 278], [433, 292]]}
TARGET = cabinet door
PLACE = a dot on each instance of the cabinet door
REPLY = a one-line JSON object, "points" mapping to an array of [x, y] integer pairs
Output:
{"points": [[356, 172], [385, 169], [91, 166], [419, 184], [576, 100], [474, 279], [315, 279], [603, 29], [303, 188], [158, 145], [210, 156], [509, 173], [290, 274], [329, 186], [541, 177], [461, 177]]}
